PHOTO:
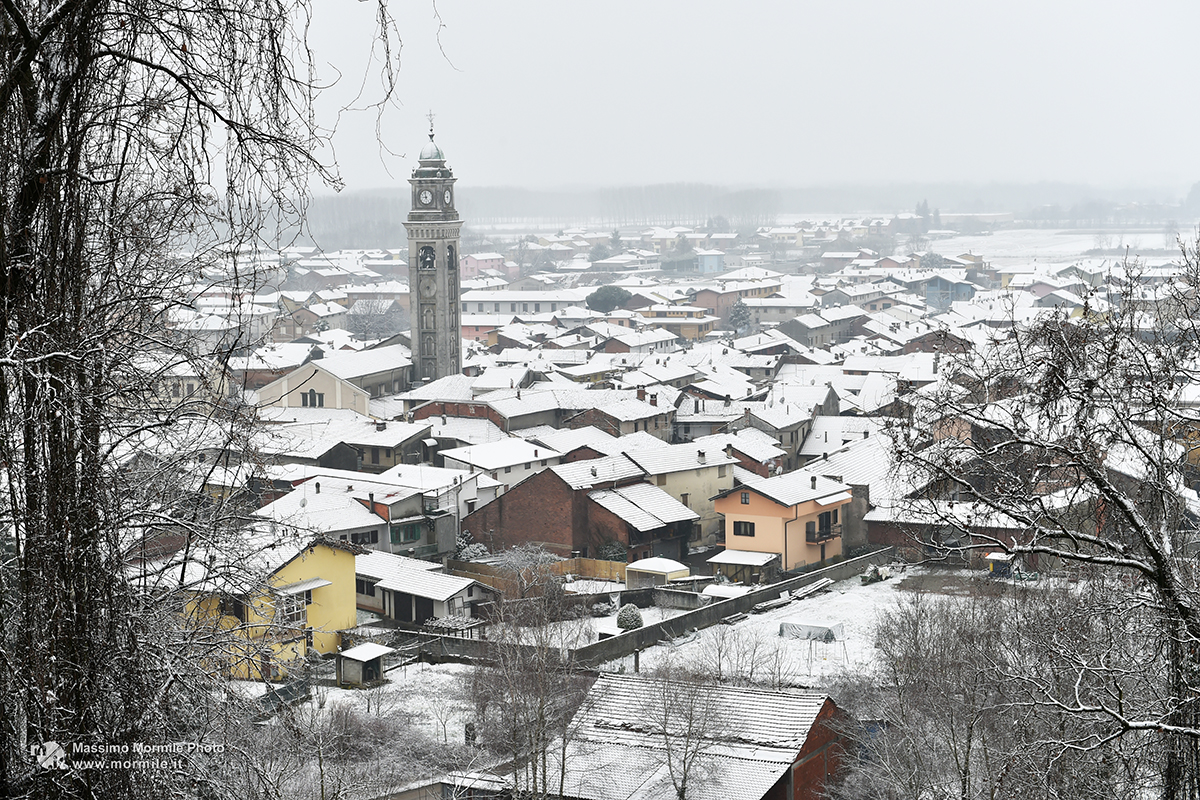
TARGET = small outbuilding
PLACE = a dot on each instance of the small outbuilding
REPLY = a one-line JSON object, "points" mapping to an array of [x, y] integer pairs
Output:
{"points": [[1000, 564], [746, 566], [361, 665], [653, 572]]}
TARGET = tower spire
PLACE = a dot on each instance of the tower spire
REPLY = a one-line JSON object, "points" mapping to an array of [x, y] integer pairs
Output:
{"points": [[430, 117]]}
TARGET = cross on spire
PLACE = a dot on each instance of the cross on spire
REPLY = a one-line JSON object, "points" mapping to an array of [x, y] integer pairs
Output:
{"points": [[430, 117]]}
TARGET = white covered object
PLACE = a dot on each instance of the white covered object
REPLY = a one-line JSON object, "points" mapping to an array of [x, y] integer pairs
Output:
{"points": [[822, 631]]}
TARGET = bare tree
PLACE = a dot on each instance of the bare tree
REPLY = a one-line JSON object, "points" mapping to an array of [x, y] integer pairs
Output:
{"points": [[688, 720], [376, 319], [947, 713], [525, 699], [1070, 442], [145, 146]]}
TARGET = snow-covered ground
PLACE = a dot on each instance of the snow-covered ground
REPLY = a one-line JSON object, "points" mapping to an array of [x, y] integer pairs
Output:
{"points": [[574, 633], [754, 649], [1007, 247], [435, 697]]}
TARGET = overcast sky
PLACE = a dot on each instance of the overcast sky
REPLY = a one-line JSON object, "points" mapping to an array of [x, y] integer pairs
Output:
{"points": [[573, 94]]}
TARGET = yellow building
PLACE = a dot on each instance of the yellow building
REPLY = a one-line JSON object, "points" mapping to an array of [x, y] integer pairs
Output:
{"points": [[686, 322], [798, 516], [268, 606]]}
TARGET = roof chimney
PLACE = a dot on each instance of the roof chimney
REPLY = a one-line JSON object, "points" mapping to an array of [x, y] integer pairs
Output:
{"points": [[381, 425], [371, 498], [641, 393], [594, 472], [814, 481], [535, 452], [866, 434], [654, 399], [700, 456], [317, 486]]}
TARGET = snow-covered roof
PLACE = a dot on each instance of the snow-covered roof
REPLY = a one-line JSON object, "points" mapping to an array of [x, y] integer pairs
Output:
{"points": [[586, 474], [658, 565], [679, 457], [400, 574], [751, 446], [798, 487], [366, 652], [349, 364], [746, 558], [504, 453], [752, 737], [643, 506]]}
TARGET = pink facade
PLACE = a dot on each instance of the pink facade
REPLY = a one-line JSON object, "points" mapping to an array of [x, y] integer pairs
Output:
{"points": [[470, 266]]}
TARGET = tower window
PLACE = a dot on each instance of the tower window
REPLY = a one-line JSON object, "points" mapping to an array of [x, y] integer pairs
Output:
{"points": [[427, 258]]}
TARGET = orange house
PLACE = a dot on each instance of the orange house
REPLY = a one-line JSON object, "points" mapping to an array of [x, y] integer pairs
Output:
{"points": [[798, 516]]}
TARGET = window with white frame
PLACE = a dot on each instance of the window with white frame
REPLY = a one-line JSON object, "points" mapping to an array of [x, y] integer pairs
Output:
{"points": [[290, 610]]}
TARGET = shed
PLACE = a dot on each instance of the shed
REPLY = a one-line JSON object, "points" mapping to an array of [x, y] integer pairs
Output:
{"points": [[362, 664], [746, 566], [653, 572], [1000, 564]]}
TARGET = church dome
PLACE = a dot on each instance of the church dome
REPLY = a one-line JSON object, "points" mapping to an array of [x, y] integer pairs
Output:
{"points": [[431, 152]]}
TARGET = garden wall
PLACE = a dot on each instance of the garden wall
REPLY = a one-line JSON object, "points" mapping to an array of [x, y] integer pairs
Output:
{"points": [[615, 647]]}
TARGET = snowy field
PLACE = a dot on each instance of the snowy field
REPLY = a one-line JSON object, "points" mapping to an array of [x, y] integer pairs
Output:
{"points": [[575, 633], [1023, 246], [754, 650], [434, 697]]}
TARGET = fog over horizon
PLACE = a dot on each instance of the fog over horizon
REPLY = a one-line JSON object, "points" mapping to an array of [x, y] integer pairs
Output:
{"points": [[549, 96]]}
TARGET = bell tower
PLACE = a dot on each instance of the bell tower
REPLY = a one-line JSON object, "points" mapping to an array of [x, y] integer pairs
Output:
{"points": [[433, 227]]}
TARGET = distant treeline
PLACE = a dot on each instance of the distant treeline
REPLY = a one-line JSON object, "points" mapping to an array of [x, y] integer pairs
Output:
{"points": [[374, 218]]}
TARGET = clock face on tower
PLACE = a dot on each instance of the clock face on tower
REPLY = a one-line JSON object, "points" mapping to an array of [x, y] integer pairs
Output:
{"points": [[426, 197], [428, 287], [446, 197]]}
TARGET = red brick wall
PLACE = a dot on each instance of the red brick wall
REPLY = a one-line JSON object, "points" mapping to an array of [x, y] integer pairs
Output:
{"points": [[436, 408], [597, 418], [821, 757], [746, 462], [539, 509], [601, 526], [584, 453], [544, 510]]}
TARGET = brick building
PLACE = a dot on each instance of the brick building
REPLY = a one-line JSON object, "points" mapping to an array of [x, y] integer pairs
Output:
{"points": [[582, 506]]}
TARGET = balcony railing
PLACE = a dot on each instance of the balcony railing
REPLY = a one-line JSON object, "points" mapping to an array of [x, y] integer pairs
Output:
{"points": [[823, 534]]}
